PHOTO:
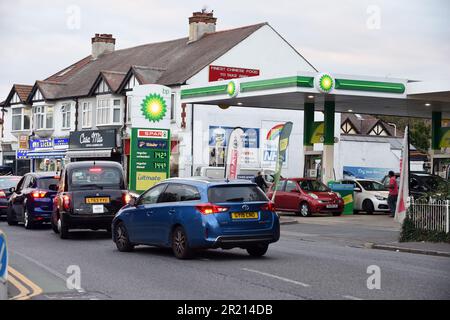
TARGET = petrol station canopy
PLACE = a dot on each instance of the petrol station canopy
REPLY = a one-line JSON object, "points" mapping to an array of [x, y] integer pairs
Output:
{"points": [[350, 93]]}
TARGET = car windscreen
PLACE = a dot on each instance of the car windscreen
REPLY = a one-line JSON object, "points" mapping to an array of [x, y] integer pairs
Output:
{"points": [[6, 183], [99, 177], [45, 182], [372, 185], [313, 186], [245, 193]]}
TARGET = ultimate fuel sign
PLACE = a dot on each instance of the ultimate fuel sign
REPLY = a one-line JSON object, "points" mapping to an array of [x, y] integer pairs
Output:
{"points": [[150, 158]]}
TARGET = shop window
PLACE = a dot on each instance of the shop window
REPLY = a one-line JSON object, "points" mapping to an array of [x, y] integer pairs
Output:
{"points": [[86, 115], [43, 117], [20, 119], [66, 112]]}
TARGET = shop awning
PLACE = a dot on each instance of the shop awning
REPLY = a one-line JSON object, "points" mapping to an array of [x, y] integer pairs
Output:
{"points": [[97, 153], [60, 154]]}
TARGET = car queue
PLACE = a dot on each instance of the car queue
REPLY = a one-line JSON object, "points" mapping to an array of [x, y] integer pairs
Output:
{"points": [[182, 214]]}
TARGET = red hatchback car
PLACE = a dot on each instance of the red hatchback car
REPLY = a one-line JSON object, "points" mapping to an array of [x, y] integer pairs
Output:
{"points": [[305, 197]]}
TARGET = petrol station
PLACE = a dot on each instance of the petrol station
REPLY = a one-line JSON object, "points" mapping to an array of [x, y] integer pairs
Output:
{"points": [[316, 91]]}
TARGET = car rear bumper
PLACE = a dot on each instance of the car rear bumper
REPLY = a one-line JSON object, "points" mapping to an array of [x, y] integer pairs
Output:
{"points": [[243, 241], [88, 221]]}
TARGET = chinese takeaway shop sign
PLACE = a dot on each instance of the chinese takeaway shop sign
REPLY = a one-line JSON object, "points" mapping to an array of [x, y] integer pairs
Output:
{"points": [[150, 158]]}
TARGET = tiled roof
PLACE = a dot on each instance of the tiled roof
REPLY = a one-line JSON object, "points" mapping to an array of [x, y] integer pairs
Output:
{"points": [[364, 123], [168, 63]]}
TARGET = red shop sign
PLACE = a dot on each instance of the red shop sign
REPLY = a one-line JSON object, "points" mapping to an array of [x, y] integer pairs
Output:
{"points": [[217, 73]]}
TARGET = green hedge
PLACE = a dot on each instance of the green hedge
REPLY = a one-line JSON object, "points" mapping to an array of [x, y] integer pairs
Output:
{"points": [[411, 233]]}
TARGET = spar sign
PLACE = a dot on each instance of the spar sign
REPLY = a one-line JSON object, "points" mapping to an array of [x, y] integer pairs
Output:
{"points": [[149, 158]]}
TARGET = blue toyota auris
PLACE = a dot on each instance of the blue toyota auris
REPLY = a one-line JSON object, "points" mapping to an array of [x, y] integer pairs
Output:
{"points": [[189, 214]]}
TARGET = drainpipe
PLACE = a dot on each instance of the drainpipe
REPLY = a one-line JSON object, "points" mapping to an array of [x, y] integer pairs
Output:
{"points": [[192, 139], [76, 113]]}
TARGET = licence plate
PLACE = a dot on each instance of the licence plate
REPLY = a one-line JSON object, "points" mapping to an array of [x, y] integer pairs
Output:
{"points": [[98, 208], [332, 206], [104, 200], [244, 215]]}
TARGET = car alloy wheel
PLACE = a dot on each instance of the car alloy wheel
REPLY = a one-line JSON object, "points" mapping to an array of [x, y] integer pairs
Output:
{"points": [[304, 210], [63, 230], [368, 207], [180, 245], [123, 243], [26, 219]]}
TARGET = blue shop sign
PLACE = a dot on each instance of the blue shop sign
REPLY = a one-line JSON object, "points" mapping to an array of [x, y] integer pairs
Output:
{"points": [[22, 154], [49, 143]]}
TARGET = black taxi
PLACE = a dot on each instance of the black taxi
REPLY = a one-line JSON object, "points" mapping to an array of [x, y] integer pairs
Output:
{"points": [[89, 195]]}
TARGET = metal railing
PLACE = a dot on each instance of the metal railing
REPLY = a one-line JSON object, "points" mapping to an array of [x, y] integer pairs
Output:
{"points": [[430, 214]]}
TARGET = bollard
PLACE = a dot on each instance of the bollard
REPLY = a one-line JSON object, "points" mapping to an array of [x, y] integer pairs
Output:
{"points": [[3, 267]]}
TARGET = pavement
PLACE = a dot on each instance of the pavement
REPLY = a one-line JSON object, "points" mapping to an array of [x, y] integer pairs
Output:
{"points": [[311, 261], [377, 231]]}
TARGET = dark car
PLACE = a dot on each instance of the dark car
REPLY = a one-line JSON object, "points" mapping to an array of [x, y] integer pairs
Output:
{"points": [[31, 202], [305, 197], [423, 184], [6, 183], [89, 196], [6, 171], [189, 214]]}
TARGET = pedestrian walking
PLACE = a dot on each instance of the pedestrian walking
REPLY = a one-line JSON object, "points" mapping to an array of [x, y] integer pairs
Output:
{"points": [[393, 193], [259, 180]]}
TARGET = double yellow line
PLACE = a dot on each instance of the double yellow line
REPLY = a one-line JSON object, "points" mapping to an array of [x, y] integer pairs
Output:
{"points": [[27, 288]]}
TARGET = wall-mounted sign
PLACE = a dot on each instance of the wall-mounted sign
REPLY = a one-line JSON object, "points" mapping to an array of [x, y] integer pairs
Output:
{"points": [[93, 139], [149, 158], [318, 131], [324, 82], [218, 73], [47, 144], [23, 142], [22, 154]]}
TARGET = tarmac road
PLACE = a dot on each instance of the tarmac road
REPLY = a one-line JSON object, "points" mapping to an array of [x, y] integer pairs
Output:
{"points": [[301, 265]]}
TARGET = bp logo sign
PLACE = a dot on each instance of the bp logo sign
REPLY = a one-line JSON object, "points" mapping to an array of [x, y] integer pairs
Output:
{"points": [[232, 89], [324, 83], [154, 107]]}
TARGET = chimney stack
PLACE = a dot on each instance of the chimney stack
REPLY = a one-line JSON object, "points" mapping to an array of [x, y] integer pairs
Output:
{"points": [[101, 44], [201, 23]]}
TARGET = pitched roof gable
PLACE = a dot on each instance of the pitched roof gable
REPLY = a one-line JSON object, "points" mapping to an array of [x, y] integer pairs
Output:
{"points": [[112, 79], [22, 92]]}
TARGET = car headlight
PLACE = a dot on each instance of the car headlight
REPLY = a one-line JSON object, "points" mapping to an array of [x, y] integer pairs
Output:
{"points": [[314, 196], [338, 195], [381, 198]]}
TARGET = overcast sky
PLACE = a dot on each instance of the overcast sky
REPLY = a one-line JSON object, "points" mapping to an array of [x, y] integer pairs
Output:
{"points": [[402, 38]]}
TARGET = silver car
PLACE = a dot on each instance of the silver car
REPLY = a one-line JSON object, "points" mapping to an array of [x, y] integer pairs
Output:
{"points": [[369, 196]]}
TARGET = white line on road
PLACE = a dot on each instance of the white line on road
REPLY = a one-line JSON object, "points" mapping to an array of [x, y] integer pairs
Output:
{"points": [[277, 277], [352, 298]]}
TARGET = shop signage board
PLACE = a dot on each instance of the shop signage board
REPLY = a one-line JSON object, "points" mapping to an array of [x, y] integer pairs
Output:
{"points": [[219, 73], [23, 142], [318, 131], [93, 139], [149, 158], [48, 144]]}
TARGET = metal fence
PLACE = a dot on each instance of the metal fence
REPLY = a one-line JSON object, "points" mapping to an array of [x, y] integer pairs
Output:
{"points": [[430, 214]]}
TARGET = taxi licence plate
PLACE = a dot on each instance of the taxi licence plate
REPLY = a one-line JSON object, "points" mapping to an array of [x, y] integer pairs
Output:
{"points": [[104, 200], [244, 215], [332, 206]]}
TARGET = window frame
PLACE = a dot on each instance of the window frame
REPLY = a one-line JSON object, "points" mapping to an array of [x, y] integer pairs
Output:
{"points": [[43, 115], [66, 112], [106, 109], [87, 112], [22, 116]]}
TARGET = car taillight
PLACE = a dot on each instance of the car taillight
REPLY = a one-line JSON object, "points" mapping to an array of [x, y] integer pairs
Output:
{"points": [[39, 194], [270, 206], [2, 194], [210, 208], [126, 198], [66, 202]]}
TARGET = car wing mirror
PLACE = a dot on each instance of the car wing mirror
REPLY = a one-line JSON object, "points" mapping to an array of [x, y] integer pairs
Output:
{"points": [[357, 189]]}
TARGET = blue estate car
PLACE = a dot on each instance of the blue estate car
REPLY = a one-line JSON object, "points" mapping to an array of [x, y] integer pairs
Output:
{"points": [[31, 202], [188, 214]]}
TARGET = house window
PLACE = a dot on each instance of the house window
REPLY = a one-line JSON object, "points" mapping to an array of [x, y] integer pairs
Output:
{"points": [[347, 128], [66, 111], [86, 115], [43, 117], [109, 112], [20, 119], [378, 130]]}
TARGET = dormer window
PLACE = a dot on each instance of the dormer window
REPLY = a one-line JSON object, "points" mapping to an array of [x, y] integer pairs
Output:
{"points": [[348, 128], [102, 88], [378, 130]]}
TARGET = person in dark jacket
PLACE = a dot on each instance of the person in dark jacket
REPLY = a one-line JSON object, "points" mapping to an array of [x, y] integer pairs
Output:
{"points": [[259, 180]]}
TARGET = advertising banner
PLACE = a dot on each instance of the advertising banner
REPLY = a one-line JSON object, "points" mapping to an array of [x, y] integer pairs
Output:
{"points": [[366, 173], [234, 150], [149, 158], [219, 73], [218, 143], [283, 143], [270, 134], [318, 131], [445, 138]]}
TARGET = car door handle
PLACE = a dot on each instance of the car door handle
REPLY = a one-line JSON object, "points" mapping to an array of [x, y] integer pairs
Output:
{"points": [[172, 211]]}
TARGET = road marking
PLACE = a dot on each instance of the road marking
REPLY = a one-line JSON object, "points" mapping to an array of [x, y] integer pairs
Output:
{"points": [[352, 298], [277, 277], [23, 292], [35, 289]]}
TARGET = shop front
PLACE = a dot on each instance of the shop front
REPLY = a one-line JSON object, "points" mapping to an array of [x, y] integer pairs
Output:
{"points": [[94, 145], [46, 155]]}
